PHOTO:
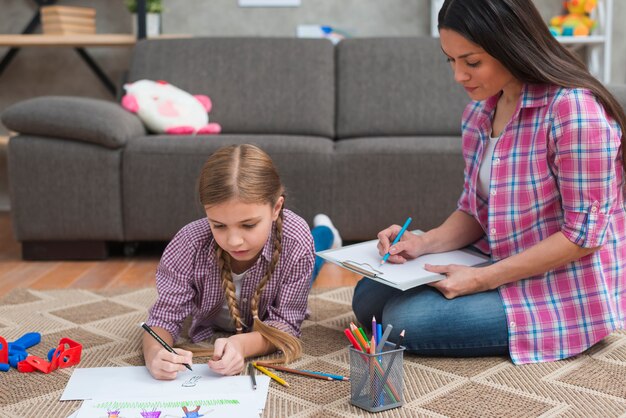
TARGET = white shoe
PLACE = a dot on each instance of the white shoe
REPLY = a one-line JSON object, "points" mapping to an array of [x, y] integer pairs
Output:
{"points": [[323, 220]]}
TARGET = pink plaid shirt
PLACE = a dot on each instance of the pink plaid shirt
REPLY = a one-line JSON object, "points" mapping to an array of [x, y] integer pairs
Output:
{"points": [[188, 281], [557, 167]]}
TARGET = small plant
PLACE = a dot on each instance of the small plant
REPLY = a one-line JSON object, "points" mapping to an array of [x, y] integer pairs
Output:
{"points": [[152, 6]]}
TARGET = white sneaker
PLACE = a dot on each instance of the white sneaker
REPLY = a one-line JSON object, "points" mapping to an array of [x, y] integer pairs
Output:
{"points": [[323, 220]]}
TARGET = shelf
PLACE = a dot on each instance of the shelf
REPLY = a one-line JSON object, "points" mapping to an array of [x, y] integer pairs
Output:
{"points": [[585, 40], [78, 41]]}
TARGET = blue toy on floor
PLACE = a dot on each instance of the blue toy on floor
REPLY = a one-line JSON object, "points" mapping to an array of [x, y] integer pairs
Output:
{"points": [[14, 352]]}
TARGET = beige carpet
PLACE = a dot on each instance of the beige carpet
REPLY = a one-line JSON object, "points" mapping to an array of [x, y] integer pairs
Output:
{"points": [[105, 322]]}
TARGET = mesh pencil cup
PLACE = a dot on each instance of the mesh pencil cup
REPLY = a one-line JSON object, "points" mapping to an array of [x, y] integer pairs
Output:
{"points": [[377, 380]]}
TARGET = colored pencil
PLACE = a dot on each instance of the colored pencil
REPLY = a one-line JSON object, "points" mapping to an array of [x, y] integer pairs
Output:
{"points": [[360, 339], [374, 331], [332, 376], [352, 340], [381, 344], [270, 374], [294, 371], [365, 337], [395, 241], [252, 376], [400, 338]]}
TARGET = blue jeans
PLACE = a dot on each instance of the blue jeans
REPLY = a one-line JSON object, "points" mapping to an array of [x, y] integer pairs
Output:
{"points": [[323, 240], [467, 326]]}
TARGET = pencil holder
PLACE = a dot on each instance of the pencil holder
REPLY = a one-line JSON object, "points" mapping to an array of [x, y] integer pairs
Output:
{"points": [[377, 380]]}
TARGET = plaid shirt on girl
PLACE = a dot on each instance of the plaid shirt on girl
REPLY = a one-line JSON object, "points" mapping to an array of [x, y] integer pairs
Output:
{"points": [[556, 167], [189, 283]]}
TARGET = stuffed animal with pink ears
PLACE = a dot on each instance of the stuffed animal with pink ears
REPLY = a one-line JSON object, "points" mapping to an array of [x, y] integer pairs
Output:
{"points": [[164, 108]]}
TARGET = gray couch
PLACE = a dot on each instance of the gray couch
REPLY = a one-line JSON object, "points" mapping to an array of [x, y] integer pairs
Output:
{"points": [[367, 131]]}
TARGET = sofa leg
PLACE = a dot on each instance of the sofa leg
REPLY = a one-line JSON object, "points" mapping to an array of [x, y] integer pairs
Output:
{"points": [[64, 250]]}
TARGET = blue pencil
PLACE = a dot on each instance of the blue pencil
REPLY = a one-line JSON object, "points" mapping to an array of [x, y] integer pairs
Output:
{"points": [[334, 376], [395, 241]]}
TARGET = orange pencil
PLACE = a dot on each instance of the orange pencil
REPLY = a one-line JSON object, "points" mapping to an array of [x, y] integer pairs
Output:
{"points": [[360, 339]]}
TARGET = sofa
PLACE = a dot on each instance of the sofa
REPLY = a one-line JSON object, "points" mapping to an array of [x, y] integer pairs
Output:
{"points": [[366, 131]]}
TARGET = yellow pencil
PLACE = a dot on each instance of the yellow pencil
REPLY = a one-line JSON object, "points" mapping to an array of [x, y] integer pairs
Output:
{"points": [[270, 374]]}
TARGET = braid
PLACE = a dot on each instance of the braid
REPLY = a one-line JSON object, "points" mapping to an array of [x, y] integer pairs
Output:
{"points": [[287, 343], [278, 236], [229, 287]]}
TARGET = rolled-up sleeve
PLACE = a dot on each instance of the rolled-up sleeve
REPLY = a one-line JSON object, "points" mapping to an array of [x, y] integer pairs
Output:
{"points": [[289, 308], [174, 286], [586, 153]]}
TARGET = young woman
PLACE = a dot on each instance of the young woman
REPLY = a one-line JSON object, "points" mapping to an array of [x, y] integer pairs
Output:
{"points": [[246, 268], [543, 195]]}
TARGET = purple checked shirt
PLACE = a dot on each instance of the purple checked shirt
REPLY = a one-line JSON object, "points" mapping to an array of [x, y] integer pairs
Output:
{"points": [[556, 167], [188, 281]]}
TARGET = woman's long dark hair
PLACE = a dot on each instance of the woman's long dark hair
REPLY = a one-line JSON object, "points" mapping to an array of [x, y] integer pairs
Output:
{"points": [[514, 33]]}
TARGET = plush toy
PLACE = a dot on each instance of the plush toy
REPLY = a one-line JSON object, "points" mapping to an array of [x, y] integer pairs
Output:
{"points": [[577, 21], [164, 108]]}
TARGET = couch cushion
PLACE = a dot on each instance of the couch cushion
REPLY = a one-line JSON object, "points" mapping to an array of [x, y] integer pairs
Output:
{"points": [[80, 118], [64, 190], [160, 178], [396, 86], [385, 180], [257, 85]]}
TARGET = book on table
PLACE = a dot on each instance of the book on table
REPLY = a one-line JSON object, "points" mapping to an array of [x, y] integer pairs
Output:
{"points": [[363, 258]]}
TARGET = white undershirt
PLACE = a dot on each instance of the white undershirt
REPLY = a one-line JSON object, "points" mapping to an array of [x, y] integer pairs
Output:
{"points": [[223, 320], [484, 172]]}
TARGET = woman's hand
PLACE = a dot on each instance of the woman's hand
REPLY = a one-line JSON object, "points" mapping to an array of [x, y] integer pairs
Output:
{"points": [[459, 280], [228, 358], [164, 365], [409, 247]]}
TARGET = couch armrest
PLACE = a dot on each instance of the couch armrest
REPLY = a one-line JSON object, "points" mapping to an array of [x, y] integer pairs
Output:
{"points": [[82, 119]]}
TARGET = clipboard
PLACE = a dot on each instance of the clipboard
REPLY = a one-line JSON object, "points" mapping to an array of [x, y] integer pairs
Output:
{"points": [[363, 258]]}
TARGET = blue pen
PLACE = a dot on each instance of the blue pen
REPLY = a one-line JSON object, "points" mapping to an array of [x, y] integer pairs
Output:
{"points": [[395, 241]]}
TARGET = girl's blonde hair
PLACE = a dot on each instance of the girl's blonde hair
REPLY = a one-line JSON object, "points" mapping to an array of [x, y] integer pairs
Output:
{"points": [[247, 173]]}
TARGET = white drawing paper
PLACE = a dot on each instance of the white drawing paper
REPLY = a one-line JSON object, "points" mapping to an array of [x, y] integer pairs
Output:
{"points": [[240, 406], [114, 383]]}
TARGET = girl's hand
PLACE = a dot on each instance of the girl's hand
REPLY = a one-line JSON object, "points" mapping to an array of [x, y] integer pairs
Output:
{"points": [[459, 280], [409, 247], [164, 365], [228, 358]]}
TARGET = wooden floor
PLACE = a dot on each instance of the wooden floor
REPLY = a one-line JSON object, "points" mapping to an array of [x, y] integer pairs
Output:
{"points": [[116, 272]]}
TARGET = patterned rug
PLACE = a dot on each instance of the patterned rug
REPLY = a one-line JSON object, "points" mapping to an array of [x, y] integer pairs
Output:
{"points": [[105, 322]]}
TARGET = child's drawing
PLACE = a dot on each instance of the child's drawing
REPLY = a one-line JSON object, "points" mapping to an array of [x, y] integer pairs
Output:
{"points": [[191, 382], [150, 414], [192, 414]]}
